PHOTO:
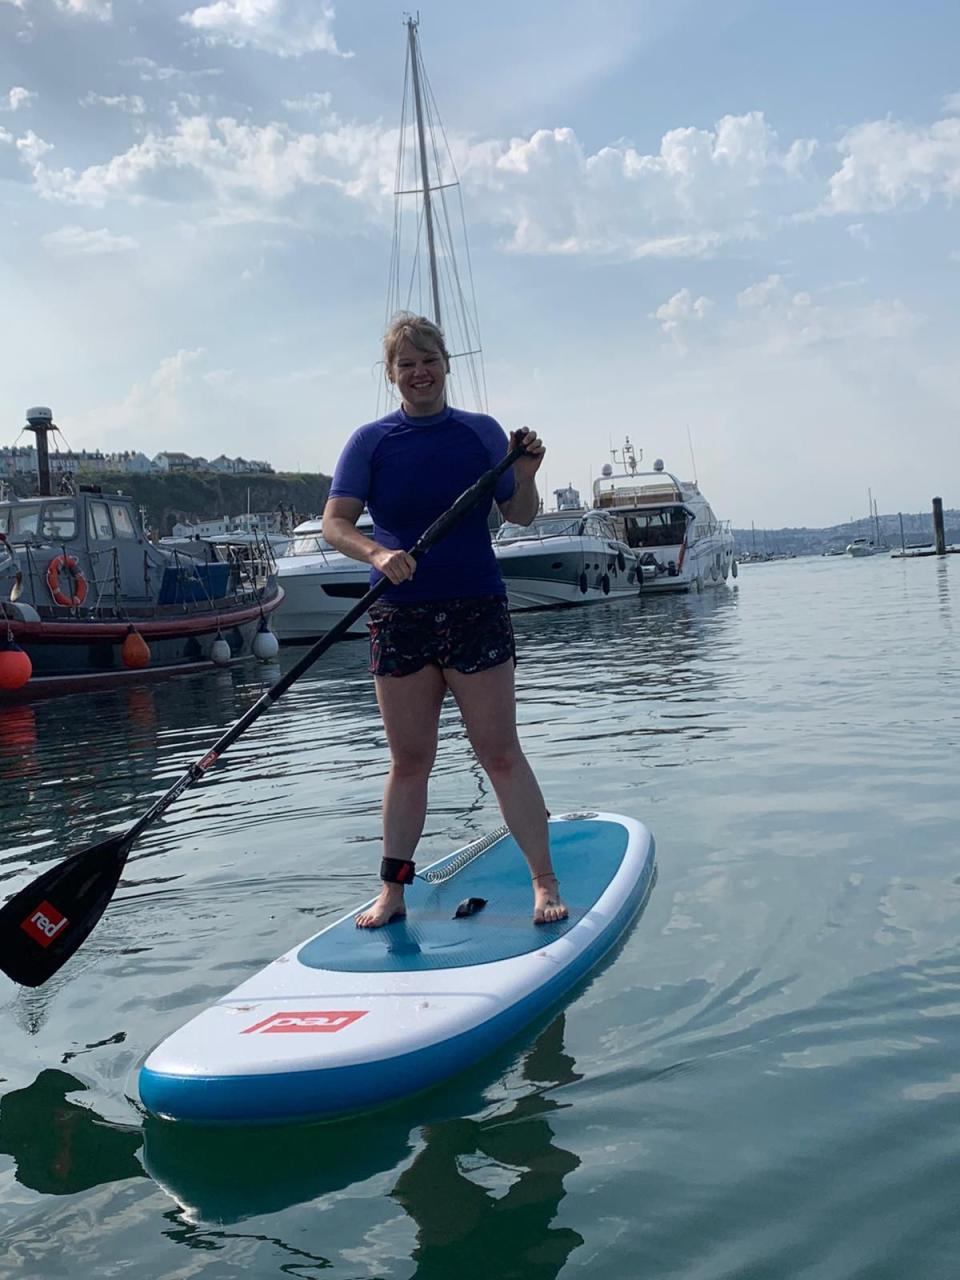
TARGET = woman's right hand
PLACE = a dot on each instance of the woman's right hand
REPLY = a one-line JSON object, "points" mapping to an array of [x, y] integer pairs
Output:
{"points": [[395, 565]]}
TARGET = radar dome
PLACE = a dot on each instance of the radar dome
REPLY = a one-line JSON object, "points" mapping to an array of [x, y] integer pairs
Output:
{"points": [[606, 469], [658, 465]]}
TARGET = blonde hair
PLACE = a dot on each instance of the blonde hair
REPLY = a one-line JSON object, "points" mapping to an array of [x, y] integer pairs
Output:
{"points": [[419, 332]]}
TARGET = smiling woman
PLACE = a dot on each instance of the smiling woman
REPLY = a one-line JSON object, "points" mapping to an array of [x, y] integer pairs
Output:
{"points": [[444, 625]]}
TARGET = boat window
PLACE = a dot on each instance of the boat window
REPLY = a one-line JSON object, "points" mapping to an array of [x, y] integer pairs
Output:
{"points": [[19, 522], [122, 521], [662, 527], [99, 528], [542, 527], [59, 521], [308, 544]]}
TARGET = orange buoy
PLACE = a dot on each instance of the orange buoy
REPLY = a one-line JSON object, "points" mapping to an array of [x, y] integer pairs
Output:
{"points": [[135, 652], [15, 666]]}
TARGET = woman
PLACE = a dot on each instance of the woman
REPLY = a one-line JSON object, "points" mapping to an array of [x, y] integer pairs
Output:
{"points": [[442, 624]]}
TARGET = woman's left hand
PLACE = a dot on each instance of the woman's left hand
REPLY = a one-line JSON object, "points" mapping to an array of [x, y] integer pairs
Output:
{"points": [[526, 468]]}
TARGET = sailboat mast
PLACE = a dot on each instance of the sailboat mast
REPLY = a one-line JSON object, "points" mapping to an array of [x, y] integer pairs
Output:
{"points": [[424, 176]]}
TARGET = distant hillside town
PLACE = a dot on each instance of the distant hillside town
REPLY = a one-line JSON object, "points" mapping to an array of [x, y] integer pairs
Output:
{"points": [[18, 460]]}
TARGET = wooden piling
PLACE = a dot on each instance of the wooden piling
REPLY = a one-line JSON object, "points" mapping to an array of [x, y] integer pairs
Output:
{"points": [[939, 536]]}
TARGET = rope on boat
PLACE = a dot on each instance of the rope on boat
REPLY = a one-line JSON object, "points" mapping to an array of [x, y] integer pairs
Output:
{"points": [[465, 856]]}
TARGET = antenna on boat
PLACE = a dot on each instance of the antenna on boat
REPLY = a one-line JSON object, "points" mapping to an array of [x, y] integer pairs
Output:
{"points": [[692, 458], [627, 458]]}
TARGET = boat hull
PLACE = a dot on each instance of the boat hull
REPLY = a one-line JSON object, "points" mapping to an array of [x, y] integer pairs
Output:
{"points": [[544, 576], [317, 600], [75, 653]]}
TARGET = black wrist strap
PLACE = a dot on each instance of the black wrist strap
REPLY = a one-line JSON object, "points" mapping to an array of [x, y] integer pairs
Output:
{"points": [[397, 871]]}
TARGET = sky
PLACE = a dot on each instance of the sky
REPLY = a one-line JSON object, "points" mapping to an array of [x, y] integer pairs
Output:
{"points": [[727, 231]]}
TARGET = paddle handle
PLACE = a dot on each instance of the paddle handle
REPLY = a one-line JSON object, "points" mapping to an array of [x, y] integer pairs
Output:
{"points": [[469, 499]]}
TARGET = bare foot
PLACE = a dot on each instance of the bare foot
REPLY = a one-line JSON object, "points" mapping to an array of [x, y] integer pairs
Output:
{"points": [[387, 908], [547, 906]]}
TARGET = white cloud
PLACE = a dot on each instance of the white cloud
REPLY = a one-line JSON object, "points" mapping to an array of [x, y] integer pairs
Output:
{"points": [[312, 102], [132, 103], [153, 415], [857, 231], [239, 162], [18, 97], [101, 10], [679, 311], [288, 28], [887, 164], [151, 71], [780, 319], [32, 148], [5, 135], [74, 241], [761, 293], [951, 104]]}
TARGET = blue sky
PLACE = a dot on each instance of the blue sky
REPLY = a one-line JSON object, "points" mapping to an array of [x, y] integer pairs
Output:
{"points": [[739, 219]]}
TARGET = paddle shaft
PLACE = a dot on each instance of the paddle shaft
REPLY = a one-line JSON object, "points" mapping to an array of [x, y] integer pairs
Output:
{"points": [[469, 499]]}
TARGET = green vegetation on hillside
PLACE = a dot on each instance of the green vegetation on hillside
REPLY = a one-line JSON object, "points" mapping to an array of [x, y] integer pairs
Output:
{"points": [[190, 496]]}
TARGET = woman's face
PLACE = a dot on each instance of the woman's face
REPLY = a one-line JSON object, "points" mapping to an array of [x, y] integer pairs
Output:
{"points": [[420, 377]]}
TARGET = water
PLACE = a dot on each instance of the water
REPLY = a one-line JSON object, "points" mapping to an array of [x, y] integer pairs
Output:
{"points": [[762, 1083]]}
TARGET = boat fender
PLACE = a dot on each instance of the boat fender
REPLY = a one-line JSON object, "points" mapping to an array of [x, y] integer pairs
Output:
{"points": [[469, 907], [54, 568], [621, 561], [265, 644], [698, 583], [15, 666], [733, 567], [134, 652], [605, 584], [583, 584], [220, 651]]}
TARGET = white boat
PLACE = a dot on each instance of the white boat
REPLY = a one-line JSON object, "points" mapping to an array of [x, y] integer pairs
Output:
{"points": [[668, 522], [864, 547], [565, 557], [320, 584]]}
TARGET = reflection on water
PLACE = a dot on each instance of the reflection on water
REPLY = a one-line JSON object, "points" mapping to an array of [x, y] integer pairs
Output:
{"points": [[482, 1193], [779, 1030], [60, 1147]]}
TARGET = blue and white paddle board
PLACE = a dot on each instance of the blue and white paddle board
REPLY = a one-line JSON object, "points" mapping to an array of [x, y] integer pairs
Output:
{"points": [[354, 1018]]}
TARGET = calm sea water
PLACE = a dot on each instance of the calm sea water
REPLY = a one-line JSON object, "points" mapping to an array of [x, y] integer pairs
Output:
{"points": [[764, 1081]]}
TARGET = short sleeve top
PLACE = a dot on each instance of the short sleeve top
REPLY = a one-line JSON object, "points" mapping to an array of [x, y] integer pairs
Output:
{"points": [[407, 472]]}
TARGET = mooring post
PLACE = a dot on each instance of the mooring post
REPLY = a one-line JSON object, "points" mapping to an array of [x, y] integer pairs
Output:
{"points": [[939, 536], [903, 545]]}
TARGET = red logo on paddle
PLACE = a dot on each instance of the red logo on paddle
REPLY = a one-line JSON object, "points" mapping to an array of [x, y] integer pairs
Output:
{"points": [[314, 1020], [44, 923]]}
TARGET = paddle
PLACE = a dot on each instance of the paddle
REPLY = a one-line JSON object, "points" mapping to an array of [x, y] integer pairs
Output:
{"points": [[45, 923]]}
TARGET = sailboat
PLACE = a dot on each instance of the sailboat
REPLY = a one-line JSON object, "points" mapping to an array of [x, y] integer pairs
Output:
{"points": [[431, 274], [864, 546]]}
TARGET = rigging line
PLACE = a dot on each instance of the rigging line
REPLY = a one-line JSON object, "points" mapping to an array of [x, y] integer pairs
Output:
{"points": [[473, 337]]}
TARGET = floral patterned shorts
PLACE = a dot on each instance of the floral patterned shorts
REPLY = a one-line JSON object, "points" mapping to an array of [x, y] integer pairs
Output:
{"points": [[467, 634]]}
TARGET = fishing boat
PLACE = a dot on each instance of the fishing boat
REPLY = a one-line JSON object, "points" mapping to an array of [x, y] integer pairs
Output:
{"points": [[668, 522], [565, 557], [320, 584], [86, 598]]}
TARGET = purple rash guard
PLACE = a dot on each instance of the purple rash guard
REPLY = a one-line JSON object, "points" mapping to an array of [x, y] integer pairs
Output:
{"points": [[408, 471]]}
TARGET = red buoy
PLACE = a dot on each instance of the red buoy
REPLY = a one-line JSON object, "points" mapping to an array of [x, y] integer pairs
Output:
{"points": [[15, 665], [135, 652]]}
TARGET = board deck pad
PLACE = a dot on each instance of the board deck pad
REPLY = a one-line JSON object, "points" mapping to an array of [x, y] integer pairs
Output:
{"points": [[354, 1018], [585, 859]]}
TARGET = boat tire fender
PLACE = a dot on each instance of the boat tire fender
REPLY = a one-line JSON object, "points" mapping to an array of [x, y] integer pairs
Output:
{"points": [[605, 584], [583, 584]]}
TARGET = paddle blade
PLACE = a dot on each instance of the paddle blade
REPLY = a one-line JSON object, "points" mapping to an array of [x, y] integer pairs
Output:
{"points": [[44, 924]]}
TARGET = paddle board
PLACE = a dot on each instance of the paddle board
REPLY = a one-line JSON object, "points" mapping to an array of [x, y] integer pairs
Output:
{"points": [[354, 1018]]}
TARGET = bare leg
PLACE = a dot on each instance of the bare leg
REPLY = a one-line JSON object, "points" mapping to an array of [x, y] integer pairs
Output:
{"points": [[488, 706], [410, 707]]}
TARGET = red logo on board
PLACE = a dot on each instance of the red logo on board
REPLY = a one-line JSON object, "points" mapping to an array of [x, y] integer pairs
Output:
{"points": [[313, 1020], [44, 923]]}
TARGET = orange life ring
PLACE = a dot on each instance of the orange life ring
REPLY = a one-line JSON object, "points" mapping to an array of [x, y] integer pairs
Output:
{"points": [[54, 568]]}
